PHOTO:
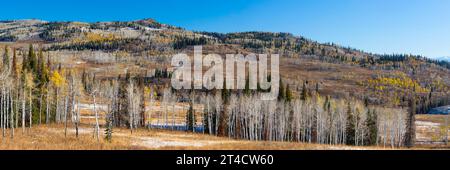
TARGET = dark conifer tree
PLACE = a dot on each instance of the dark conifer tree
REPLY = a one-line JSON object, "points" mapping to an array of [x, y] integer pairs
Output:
{"points": [[14, 72], [32, 62], [410, 134], [190, 118], [350, 126], [288, 95], [109, 128], [247, 86], [142, 103], [371, 123], [281, 92], [305, 94]]}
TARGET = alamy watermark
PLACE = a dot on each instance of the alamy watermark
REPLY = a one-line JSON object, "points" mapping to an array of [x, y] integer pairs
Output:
{"points": [[188, 75]]}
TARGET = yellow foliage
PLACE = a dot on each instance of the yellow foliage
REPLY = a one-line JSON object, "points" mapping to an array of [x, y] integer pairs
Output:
{"points": [[57, 79], [396, 101], [401, 81], [99, 37], [147, 91], [29, 80], [96, 37]]}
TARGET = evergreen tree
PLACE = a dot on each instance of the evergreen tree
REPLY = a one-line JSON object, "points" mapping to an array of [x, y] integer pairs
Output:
{"points": [[142, 103], [327, 104], [317, 87], [350, 126], [43, 71], [281, 92], [371, 123], [305, 94], [366, 101], [410, 124], [109, 128], [288, 93], [84, 80], [225, 93], [39, 60], [32, 63], [122, 117], [247, 86], [14, 65], [190, 118], [205, 121]]}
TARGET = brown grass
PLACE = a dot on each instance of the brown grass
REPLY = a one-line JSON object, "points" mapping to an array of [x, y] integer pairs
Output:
{"points": [[51, 137], [45, 138], [431, 118]]}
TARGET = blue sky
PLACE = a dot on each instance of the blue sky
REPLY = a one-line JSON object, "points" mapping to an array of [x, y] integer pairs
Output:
{"points": [[380, 26]]}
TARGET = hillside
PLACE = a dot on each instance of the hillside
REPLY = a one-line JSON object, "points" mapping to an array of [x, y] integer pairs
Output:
{"points": [[116, 75], [329, 68]]}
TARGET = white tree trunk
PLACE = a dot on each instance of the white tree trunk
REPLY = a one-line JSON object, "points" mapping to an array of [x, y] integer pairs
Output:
{"points": [[97, 127]]}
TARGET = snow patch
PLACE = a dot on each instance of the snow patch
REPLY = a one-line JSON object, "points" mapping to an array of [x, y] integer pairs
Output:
{"points": [[426, 123]]}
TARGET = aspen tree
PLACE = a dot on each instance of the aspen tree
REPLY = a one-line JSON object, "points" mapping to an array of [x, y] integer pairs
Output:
{"points": [[97, 127]]}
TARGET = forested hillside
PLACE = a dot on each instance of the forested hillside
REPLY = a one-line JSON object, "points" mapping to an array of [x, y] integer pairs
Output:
{"points": [[329, 94]]}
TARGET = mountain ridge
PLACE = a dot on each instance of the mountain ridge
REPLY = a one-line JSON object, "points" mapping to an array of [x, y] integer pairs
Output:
{"points": [[150, 24], [443, 58], [384, 79]]}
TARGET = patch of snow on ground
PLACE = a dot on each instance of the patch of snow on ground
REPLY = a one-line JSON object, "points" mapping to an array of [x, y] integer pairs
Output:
{"points": [[425, 123], [158, 142], [91, 106]]}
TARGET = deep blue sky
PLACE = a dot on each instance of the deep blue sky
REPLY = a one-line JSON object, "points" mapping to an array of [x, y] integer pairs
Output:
{"points": [[380, 26]]}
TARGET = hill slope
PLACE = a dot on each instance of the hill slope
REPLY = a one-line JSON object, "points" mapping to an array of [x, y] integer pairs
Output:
{"points": [[328, 68]]}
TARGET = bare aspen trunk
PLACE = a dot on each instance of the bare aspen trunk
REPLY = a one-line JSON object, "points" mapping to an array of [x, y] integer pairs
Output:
{"points": [[97, 127], [47, 114], [131, 108], [173, 115], [7, 112], [23, 110], [11, 124], [65, 117], [31, 110], [2, 111], [17, 106], [193, 111], [72, 109], [40, 109], [150, 106], [165, 112], [77, 118], [446, 127], [57, 114]]}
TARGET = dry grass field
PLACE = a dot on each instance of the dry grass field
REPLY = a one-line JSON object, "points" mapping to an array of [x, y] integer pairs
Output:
{"points": [[430, 131], [52, 137]]}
